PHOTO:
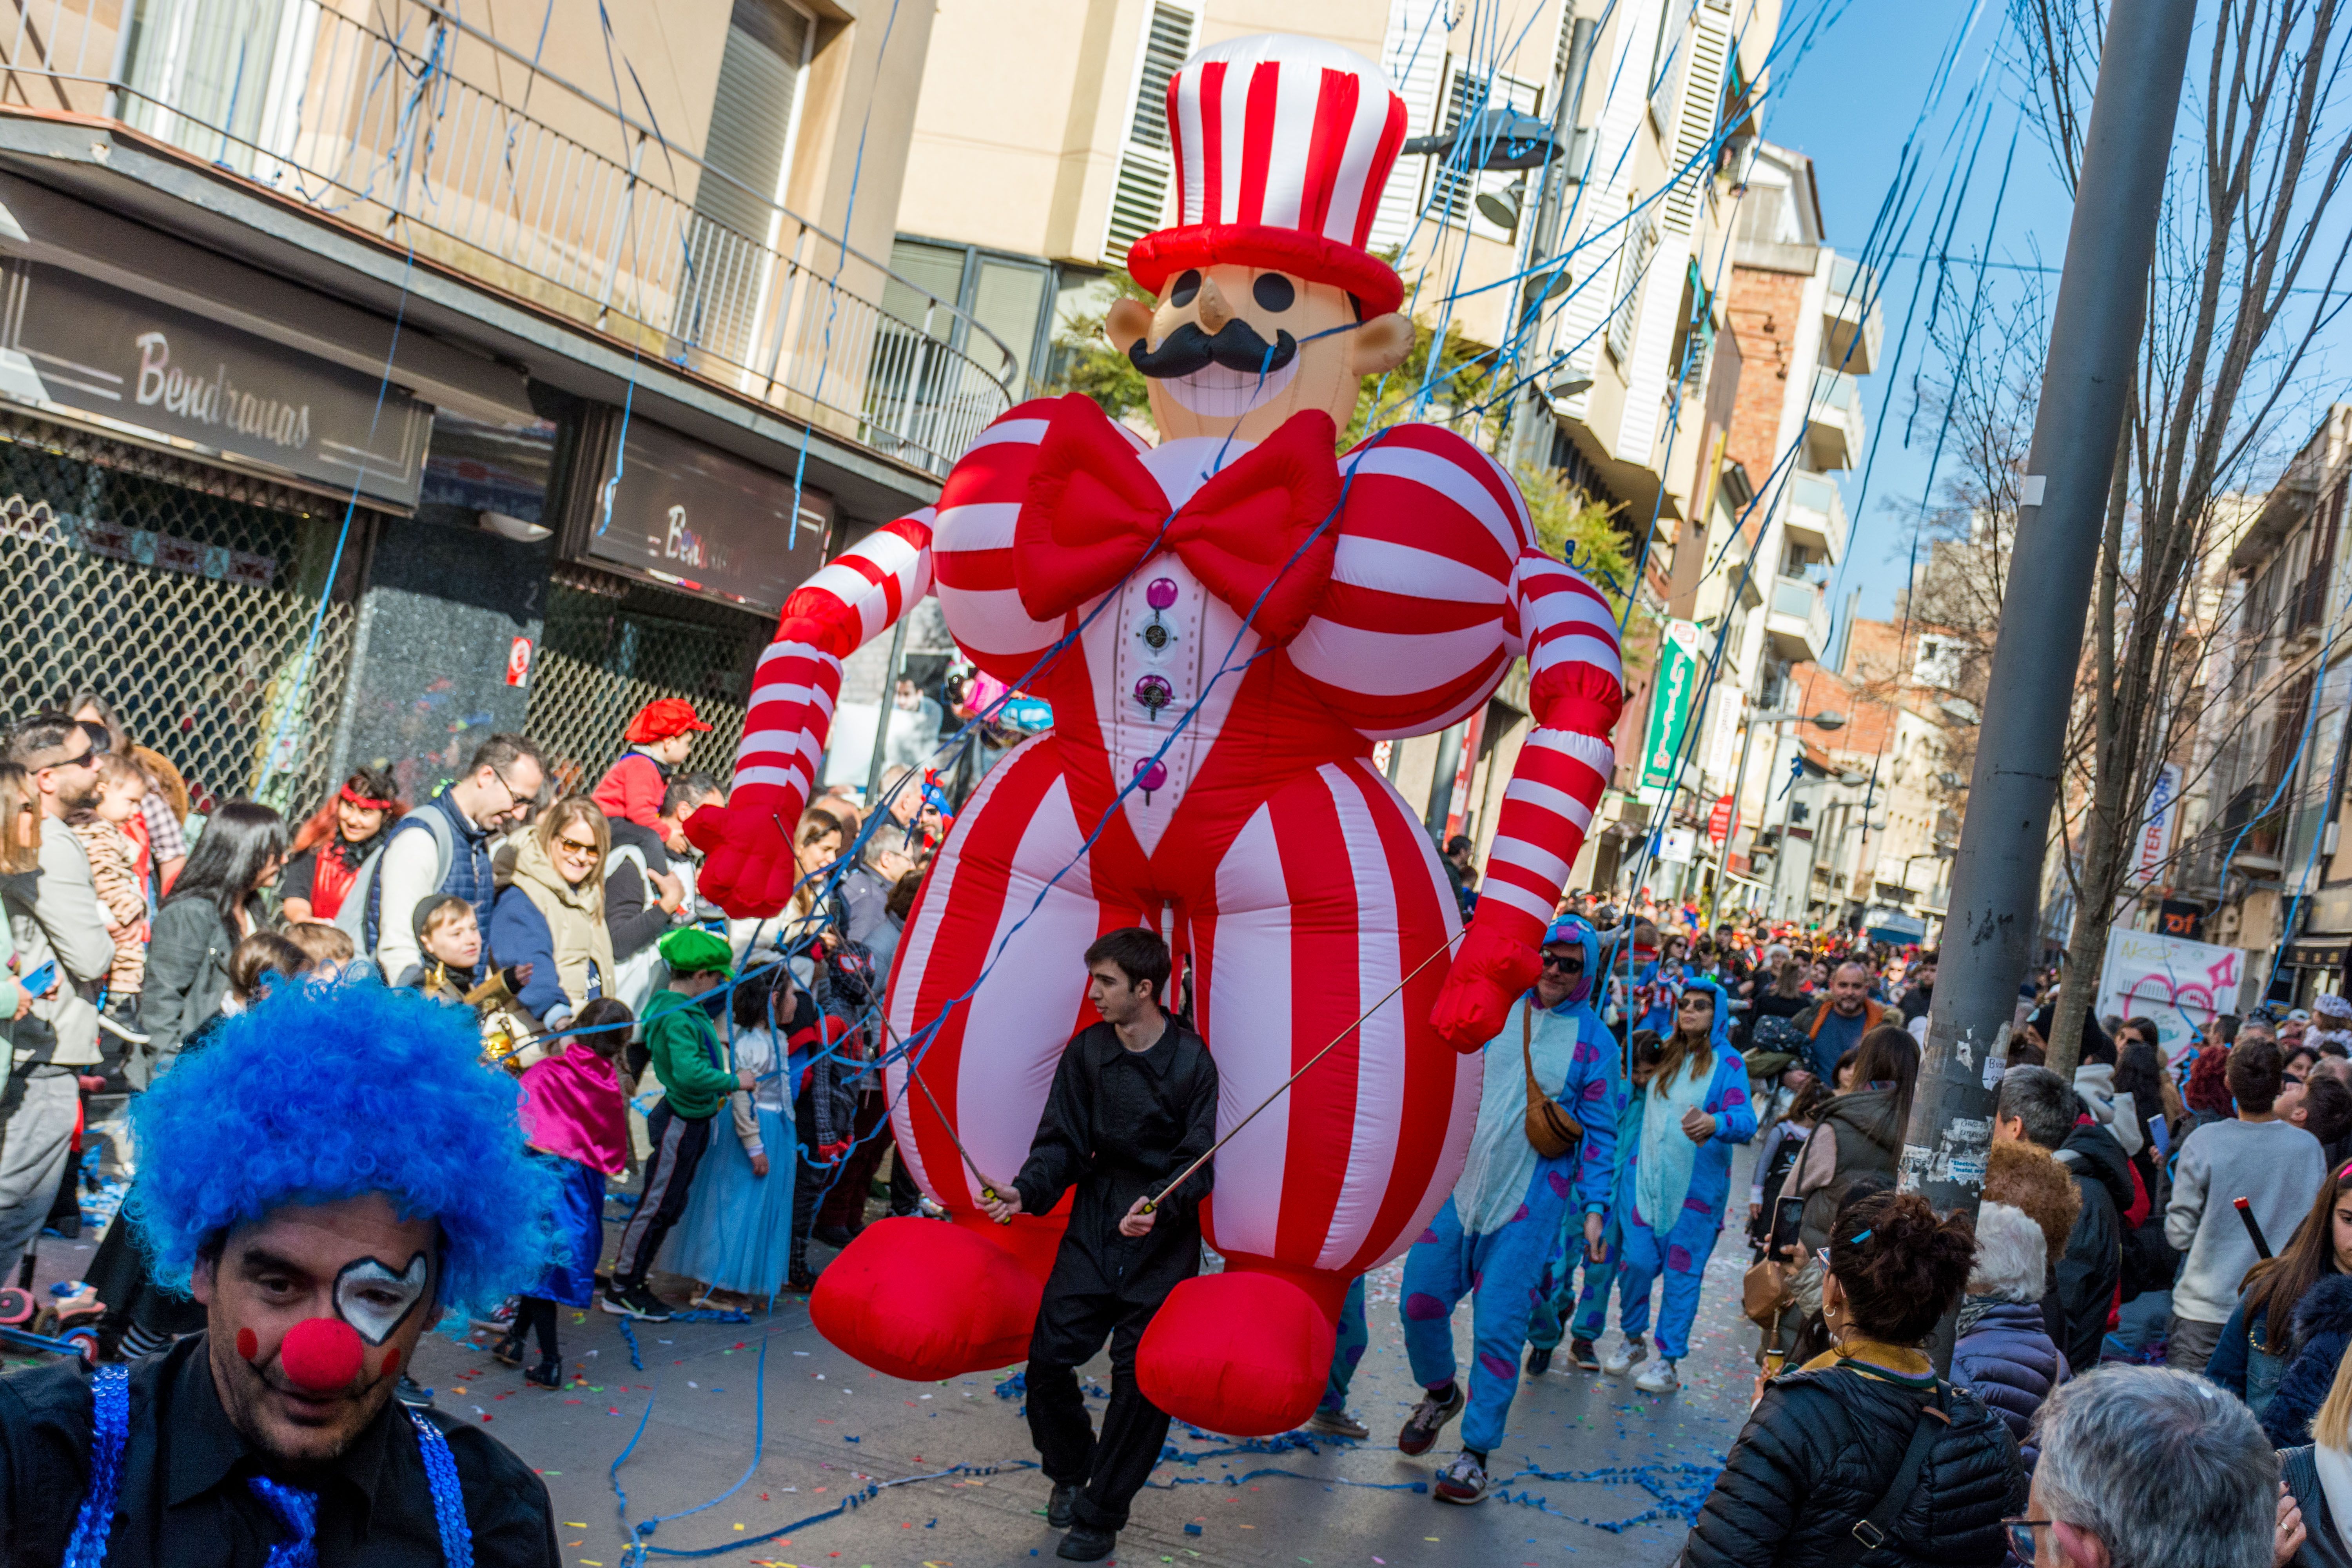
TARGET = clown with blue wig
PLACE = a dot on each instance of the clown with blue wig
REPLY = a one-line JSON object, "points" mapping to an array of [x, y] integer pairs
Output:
{"points": [[1495, 1238], [326, 1176]]}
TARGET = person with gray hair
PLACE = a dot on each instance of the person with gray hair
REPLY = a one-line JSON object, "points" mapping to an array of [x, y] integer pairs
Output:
{"points": [[2004, 1354], [2150, 1467], [2038, 1107]]}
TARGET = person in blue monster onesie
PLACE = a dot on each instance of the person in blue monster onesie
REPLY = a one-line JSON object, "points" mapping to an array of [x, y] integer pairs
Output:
{"points": [[1495, 1234], [1680, 1174]]}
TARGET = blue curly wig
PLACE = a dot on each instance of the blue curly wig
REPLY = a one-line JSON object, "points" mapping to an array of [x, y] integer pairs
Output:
{"points": [[330, 1089]]}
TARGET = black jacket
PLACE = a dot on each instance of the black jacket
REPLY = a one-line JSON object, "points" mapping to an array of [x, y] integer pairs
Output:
{"points": [[188, 949], [1868, 1127], [1822, 1449], [2094, 1263], [2323, 1328], [1117, 1125], [186, 1499], [2323, 1547]]}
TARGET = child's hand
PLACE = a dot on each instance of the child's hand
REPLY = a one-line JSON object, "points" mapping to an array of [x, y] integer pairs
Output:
{"points": [[759, 1164]]}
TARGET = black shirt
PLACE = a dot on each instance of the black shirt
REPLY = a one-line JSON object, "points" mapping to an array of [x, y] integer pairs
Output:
{"points": [[1116, 1126], [185, 1497]]}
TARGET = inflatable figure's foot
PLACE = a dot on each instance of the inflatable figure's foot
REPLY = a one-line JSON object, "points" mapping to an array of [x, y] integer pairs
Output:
{"points": [[1242, 1354], [923, 1301]]}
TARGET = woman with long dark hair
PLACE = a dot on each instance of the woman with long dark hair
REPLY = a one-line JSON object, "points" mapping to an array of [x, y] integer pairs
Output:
{"points": [[2258, 1340], [1859, 1135], [1680, 1172], [216, 904], [330, 846]]}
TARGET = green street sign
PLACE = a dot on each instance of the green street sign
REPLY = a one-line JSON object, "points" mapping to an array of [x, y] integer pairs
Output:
{"points": [[1670, 704]]}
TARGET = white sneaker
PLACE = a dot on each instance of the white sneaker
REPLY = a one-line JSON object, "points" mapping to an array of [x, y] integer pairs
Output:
{"points": [[1660, 1379], [1626, 1357]]}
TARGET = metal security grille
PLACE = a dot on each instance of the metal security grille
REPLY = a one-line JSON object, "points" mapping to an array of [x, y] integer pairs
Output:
{"points": [[611, 646], [184, 594]]}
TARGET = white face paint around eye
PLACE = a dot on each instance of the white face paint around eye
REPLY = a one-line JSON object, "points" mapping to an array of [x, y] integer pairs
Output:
{"points": [[374, 1298]]}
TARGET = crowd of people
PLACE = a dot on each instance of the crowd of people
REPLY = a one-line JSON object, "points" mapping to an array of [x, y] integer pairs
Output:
{"points": [[2164, 1244], [566, 926]]}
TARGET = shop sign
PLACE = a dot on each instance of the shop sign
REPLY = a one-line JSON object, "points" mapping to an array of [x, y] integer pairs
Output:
{"points": [[82, 345], [1670, 705], [706, 522]]}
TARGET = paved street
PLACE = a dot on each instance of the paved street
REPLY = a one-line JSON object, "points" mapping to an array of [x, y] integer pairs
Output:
{"points": [[1592, 1472]]}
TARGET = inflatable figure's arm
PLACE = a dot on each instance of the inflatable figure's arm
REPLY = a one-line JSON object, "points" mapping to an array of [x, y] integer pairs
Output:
{"points": [[750, 868], [1576, 686]]}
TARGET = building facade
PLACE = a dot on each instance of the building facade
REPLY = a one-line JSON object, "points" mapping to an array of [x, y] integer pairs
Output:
{"points": [[375, 378]]}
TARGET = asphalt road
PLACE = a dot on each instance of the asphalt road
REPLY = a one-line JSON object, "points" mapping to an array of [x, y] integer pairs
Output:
{"points": [[1592, 1472]]}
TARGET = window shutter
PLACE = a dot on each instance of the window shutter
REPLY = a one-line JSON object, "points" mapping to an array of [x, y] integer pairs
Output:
{"points": [[752, 115], [1637, 252], [1140, 201]]}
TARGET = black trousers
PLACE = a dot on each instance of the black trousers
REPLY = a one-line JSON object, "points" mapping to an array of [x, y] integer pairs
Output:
{"points": [[678, 1143], [1114, 1465]]}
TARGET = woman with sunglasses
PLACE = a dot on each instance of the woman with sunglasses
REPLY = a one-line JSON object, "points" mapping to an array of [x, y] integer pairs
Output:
{"points": [[1864, 1440], [552, 915]]}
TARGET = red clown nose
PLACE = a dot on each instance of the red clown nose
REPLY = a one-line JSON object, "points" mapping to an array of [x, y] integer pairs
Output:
{"points": [[321, 1354]]}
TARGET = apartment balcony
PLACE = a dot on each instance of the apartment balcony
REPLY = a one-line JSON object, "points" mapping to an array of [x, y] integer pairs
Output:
{"points": [[1798, 624], [1815, 514], [397, 122], [1835, 427], [1853, 330]]}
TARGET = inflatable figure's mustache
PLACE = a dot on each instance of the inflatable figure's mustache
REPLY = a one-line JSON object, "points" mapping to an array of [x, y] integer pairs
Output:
{"points": [[1236, 346]]}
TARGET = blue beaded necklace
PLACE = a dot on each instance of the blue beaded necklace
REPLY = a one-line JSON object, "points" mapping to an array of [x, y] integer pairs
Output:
{"points": [[294, 1509]]}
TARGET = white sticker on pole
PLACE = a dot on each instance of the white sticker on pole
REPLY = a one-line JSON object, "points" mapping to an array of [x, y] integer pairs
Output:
{"points": [[2029, 490]]}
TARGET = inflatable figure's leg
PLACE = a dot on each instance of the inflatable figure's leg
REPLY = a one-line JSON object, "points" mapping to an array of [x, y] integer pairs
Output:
{"points": [[1328, 896], [989, 986]]}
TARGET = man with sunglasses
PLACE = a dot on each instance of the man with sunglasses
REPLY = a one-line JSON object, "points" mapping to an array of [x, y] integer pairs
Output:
{"points": [[1494, 1240], [443, 846], [58, 928]]}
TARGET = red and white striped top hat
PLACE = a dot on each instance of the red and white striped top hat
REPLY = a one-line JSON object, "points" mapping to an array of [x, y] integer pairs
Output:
{"points": [[1282, 146]]}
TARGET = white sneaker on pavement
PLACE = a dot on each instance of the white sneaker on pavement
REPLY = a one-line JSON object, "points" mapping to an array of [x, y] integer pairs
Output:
{"points": [[1660, 1379], [1626, 1357], [1462, 1482]]}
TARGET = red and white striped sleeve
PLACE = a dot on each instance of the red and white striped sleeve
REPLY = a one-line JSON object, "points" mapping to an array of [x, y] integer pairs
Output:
{"points": [[1576, 686], [749, 870]]}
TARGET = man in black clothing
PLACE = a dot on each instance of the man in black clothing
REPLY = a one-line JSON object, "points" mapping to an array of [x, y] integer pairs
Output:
{"points": [[2038, 1107], [1920, 996], [321, 1243], [1134, 1103]]}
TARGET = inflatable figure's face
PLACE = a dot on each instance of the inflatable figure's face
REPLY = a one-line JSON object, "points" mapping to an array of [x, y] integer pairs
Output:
{"points": [[1236, 350]]}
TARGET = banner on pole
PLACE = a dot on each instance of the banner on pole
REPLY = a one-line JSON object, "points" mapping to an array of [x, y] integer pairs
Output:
{"points": [[1670, 705], [2178, 985], [2156, 833], [1721, 821]]}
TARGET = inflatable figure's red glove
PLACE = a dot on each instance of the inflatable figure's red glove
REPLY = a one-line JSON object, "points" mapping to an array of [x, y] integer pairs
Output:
{"points": [[748, 869], [1490, 972]]}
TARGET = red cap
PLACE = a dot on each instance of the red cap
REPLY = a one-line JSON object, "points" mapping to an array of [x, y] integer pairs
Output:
{"points": [[661, 718]]}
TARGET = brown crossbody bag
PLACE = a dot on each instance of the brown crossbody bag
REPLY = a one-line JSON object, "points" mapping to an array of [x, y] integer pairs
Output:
{"points": [[1550, 1129]]}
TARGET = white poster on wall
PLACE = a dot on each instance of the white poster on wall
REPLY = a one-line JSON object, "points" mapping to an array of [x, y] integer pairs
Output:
{"points": [[2179, 985]]}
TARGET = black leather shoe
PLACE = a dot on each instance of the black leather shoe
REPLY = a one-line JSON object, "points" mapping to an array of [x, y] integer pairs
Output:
{"points": [[1085, 1544], [1538, 1362], [1058, 1507]]}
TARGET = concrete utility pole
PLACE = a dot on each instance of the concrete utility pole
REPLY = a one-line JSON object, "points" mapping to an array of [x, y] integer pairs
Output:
{"points": [[2094, 335]]}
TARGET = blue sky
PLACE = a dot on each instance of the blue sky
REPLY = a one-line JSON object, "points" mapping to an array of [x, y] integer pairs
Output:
{"points": [[1849, 103]]}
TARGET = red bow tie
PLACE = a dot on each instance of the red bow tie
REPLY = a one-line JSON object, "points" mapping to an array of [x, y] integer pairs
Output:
{"points": [[1094, 514]]}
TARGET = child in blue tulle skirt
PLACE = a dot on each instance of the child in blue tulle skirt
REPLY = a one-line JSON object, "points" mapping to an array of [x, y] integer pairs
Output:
{"points": [[736, 1235], [576, 1116]]}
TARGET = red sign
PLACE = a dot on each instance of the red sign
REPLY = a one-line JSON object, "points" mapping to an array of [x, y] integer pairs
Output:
{"points": [[518, 662], [1719, 821]]}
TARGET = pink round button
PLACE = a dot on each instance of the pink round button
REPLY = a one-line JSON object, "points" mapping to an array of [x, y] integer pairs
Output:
{"points": [[1161, 592], [1154, 692], [1151, 774]]}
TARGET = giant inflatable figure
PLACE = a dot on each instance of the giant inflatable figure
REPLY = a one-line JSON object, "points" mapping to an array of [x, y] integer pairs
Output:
{"points": [[1275, 611]]}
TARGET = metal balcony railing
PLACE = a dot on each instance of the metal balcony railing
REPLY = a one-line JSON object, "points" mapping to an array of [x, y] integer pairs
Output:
{"points": [[411, 123]]}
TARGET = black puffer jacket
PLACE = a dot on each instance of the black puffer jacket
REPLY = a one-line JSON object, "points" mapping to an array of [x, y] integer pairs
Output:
{"points": [[2094, 1264], [1823, 1448]]}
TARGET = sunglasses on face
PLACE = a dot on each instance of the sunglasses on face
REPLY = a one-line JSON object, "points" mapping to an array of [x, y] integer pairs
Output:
{"points": [[1572, 964], [576, 847]]}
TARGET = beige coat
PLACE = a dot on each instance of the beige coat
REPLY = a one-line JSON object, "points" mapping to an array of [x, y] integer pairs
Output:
{"points": [[574, 916]]}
